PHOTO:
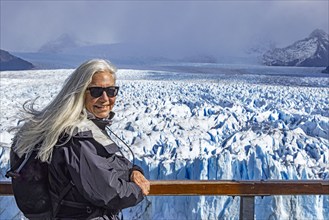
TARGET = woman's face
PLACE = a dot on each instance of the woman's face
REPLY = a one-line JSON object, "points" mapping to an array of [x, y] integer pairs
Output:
{"points": [[102, 105]]}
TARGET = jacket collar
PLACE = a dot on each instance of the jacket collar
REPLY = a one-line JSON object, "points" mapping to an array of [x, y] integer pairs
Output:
{"points": [[101, 122]]}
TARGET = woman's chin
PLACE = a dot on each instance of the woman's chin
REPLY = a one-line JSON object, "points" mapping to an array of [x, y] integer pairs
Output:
{"points": [[102, 114]]}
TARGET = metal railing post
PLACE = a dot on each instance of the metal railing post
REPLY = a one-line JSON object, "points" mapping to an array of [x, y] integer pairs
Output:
{"points": [[247, 207]]}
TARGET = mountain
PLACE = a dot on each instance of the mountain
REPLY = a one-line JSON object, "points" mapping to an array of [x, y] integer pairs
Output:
{"points": [[259, 45], [62, 43], [11, 62], [309, 52]]}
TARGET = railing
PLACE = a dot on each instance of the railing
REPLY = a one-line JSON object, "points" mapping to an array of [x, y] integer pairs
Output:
{"points": [[246, 189]]}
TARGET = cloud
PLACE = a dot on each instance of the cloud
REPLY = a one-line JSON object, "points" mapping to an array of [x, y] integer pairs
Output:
{"points": [[216, 26]]}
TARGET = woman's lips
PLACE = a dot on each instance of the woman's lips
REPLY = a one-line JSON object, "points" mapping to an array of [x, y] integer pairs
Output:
{"points": [[101, 107]]}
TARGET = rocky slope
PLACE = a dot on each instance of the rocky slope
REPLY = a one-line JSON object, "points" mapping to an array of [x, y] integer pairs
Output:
{"points": [[309, 52], [11, 62]]}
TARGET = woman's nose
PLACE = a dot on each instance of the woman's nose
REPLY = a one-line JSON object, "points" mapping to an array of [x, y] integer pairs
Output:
{"points": [[104, 96]]}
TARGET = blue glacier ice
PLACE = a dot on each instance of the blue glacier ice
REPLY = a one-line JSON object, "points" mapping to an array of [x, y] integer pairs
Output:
{"points": [[211, 127]]}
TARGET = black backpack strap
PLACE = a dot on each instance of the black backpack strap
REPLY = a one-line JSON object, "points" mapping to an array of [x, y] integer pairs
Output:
{"points": [[83, 206], [14, 171], [61, 196]]}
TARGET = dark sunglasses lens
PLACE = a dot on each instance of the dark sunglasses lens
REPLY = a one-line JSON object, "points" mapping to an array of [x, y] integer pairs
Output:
{"points": [[111, 92], [96, 91]]}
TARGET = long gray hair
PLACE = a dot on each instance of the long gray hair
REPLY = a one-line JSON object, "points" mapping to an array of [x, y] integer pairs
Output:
{"points": [[59, 117]]}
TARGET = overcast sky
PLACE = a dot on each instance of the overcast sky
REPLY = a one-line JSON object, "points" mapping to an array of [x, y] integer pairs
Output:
{"points": [[216, 25]]}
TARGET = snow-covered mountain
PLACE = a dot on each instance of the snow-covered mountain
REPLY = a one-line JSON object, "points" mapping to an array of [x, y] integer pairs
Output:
{"points": [[61, 44], [260, 45], [11, 62], [311, 51], [204, 125]]}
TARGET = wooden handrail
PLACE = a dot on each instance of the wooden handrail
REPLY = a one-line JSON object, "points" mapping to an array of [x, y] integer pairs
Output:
{"points": [[240, 188], [225, 187], [6, 189]]}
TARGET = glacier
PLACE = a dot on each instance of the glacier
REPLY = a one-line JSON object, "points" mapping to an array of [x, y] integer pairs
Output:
{"points": [[247, 123]]}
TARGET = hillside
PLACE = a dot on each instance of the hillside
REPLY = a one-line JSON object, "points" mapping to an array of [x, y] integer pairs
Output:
{"points": [[11, 62], [309, 52]]}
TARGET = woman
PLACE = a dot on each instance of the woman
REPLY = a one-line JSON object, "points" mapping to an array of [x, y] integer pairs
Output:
{"points": [[88, 177]]}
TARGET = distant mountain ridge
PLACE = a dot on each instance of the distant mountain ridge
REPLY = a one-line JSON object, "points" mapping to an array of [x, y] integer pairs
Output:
{"points": [[309, 52], [68, 52], [62, 43], [11, 62]]}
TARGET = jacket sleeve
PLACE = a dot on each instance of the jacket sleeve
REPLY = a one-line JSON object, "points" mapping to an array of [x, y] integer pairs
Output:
{"points": [[104, 181], [135, 168]]}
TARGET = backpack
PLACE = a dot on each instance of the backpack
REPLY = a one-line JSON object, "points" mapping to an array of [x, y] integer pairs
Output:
{"points": [[31, 188]]}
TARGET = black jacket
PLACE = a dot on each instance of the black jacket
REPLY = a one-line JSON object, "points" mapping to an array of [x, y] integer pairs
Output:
{"points": [[97, 177]]}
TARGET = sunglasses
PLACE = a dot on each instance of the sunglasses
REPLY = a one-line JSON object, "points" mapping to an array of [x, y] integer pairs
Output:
{"points": [[98, 91]]}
